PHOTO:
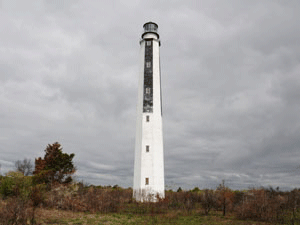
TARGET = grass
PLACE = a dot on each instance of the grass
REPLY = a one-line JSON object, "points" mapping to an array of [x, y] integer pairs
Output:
{"points": [[51, 216]]}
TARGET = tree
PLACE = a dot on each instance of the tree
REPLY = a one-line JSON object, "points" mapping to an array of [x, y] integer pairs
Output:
{"points": [[56, 166], [208, 200], [179, 189], [24, 166], [225, 197]]}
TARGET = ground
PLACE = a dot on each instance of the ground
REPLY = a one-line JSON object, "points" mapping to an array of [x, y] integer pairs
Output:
{"points": [[52, 216]]}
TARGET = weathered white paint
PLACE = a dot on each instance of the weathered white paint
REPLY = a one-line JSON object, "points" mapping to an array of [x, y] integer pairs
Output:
{"points": [[149, 164]]}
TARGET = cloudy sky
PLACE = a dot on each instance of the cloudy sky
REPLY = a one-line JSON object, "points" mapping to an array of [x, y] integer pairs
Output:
{"points": [[230, 82]]}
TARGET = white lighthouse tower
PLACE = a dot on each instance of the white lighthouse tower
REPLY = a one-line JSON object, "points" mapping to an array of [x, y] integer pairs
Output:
{"points": [[149, 156]]}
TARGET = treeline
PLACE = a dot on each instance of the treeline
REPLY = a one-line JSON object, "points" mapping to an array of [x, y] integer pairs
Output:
{"points": [[18, 206]]}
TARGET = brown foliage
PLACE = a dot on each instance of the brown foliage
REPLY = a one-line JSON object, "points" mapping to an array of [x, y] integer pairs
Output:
{"points": [[15, 211], [183, 200], [257, 204], [208, 201], [104, 200], [39, 165], [262, 205], [224, 198]]}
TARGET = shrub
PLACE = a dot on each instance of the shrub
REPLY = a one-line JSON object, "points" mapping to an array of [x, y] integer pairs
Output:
{"points": [[208, 200], [15, 184], [263, 205], [15, 211], [7, 187]]}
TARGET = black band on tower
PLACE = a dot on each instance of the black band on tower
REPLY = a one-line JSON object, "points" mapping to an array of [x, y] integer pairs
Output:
{"points": [[148, 77]]}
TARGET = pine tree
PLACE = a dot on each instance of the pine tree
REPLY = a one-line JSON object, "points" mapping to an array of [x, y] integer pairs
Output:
{"points": [[55, 167]]}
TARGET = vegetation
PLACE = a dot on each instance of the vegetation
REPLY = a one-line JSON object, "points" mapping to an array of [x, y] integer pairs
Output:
{"points": [[28, 203], [55, 167], [25, 167], [31, 200]]}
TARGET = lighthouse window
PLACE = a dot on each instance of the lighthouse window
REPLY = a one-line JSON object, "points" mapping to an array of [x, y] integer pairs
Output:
{"points": [[147, 181], [147, 118], [147, 148], [148, 64], [148, 43], [147, 90]]}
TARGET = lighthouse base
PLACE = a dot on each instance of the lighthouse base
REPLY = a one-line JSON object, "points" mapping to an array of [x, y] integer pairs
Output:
{"points": [[148, 195]]}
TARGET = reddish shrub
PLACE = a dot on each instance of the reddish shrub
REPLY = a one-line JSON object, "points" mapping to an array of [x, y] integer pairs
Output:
{"points": [[15, 211]]}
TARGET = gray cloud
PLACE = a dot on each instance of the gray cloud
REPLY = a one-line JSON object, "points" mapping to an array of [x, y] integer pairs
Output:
{"points": [[230, 83]]}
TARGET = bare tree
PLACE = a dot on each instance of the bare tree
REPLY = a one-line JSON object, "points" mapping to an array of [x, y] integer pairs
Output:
{"points": [[208, 200], [24, 166]]}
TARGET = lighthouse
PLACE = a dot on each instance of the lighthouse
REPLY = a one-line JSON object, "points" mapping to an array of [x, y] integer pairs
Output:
{"points": [[148, 183]]}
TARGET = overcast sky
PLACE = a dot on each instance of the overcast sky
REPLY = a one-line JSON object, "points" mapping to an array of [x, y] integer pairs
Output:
{"points": [[230, 87]]}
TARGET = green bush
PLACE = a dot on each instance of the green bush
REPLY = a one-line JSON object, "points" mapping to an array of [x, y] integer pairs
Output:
{"points": [[6, 186], [15, 184]]}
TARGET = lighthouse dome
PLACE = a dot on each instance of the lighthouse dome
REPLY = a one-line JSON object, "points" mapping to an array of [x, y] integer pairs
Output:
{"points": [[150, 28]]}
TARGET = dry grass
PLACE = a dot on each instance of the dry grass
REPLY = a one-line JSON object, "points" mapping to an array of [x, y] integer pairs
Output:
{"points": [[53, 216]]}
